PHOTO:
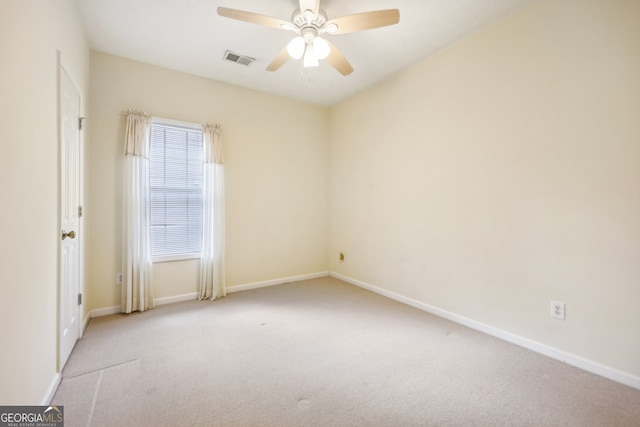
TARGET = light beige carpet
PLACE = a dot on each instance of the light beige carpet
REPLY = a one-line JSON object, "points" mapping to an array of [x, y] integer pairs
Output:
{"points": [[321, 353]]}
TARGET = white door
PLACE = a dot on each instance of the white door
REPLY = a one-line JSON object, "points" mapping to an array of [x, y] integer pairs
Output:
{"points": [[69, 316]]}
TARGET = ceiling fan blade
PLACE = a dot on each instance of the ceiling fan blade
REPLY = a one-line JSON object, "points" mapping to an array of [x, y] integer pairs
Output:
{"points": [[251, 17], [365, 21], [313, 5], [338, 61], [279, 60]]}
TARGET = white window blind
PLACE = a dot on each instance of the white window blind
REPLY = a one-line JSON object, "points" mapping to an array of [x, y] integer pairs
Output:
{"points": [[176, 190]]}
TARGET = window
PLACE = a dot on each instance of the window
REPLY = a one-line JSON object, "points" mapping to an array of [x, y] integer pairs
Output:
{"points": [[176, 191]]}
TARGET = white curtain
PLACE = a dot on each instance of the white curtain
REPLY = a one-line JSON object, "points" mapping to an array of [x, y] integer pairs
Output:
{"points": [[137, 293], [212, 277]]}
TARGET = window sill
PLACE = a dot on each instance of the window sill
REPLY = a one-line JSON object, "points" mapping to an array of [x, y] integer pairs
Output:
{"points": [[170, 258]]}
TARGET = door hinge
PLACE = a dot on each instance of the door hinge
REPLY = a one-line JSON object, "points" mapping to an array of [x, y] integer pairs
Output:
{"points": [[79, 299], [79, 211], [81, 123]]}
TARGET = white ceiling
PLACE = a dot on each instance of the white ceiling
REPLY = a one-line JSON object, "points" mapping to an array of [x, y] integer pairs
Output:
{"points": [[189, 36]]}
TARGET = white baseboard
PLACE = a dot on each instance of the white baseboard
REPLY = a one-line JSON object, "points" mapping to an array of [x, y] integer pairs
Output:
{"points": [[273, 282], [85, 323], [176, 298], [51, 390], [106, 311], [568, 358]]}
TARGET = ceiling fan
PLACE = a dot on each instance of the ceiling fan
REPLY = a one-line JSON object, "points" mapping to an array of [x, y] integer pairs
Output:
{"points": [[310, 23]]}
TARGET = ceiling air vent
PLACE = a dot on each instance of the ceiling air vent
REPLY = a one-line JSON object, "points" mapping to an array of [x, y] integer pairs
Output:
{"points": [[240, 59]]}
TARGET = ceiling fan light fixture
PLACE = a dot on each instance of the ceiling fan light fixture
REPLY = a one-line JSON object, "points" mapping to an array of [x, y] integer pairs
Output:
{"points": [[310, 59], [296, 47], [321, 48]]}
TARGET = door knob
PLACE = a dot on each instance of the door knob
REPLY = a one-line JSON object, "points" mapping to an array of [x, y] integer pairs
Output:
{"points": [[71, 234]]}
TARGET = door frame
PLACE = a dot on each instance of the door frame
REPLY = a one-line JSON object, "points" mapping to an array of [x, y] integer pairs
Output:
{"points": [[62, 68]]}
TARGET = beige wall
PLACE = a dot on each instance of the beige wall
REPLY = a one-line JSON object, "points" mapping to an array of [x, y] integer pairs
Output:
{"points": [[31, 33], [503, 173], [276, 157]]}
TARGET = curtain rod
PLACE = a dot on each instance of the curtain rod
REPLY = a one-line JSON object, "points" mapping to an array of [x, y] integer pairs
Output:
{"points": [[167, 121]]}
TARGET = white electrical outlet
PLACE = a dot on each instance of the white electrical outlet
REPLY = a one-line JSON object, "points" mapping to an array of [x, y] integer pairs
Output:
{"points": [[118, 278], [557, 310]]}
